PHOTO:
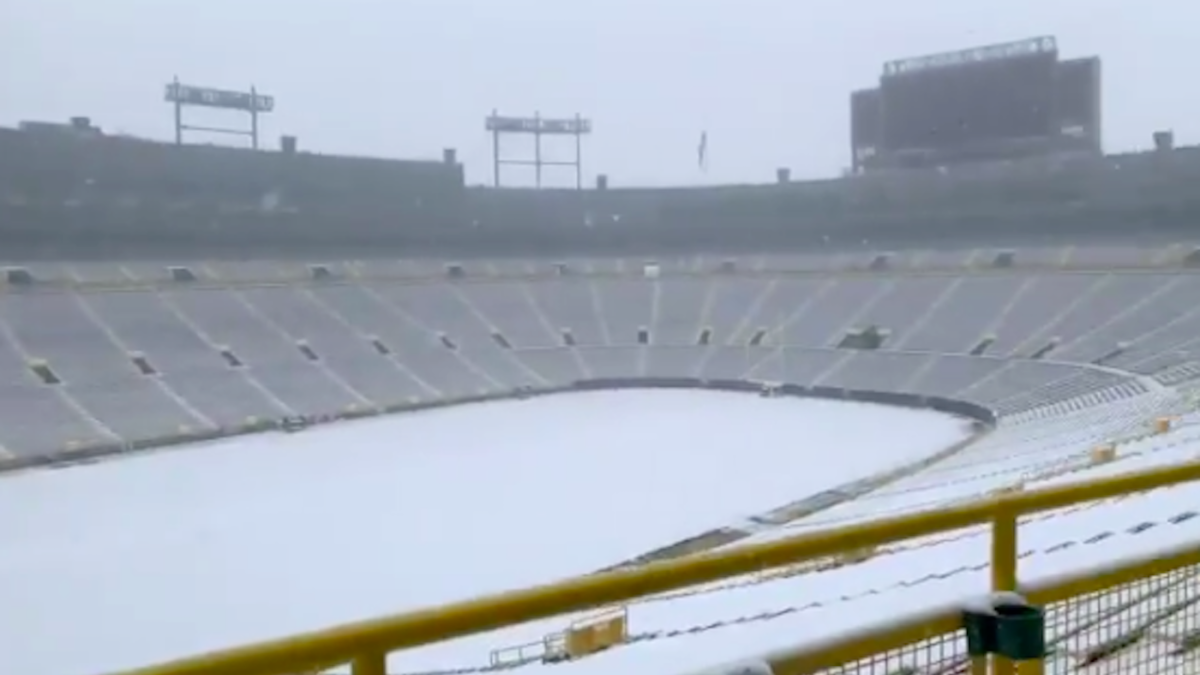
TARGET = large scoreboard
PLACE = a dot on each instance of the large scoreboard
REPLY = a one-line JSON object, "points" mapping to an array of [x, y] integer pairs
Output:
{"points": [[1000, 101]]}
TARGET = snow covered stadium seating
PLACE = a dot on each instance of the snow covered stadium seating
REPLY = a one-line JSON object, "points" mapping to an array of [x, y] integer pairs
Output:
{"points": [[137, 354]]}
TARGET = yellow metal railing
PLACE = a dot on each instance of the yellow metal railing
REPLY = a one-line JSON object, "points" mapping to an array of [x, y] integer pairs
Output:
{"points": [[366, 645], [1088, 614]]}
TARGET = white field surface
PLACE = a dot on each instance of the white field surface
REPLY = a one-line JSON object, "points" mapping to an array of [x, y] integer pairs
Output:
{"points": [[153, 557]]}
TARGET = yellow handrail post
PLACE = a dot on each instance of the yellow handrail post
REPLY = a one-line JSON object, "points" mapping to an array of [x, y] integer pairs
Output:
{"points": [[1004, 550], [1032, 666], [979, 665], [369, 664], [1004, 567]]}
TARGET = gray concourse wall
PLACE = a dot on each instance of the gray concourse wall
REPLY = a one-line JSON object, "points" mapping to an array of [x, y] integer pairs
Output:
{"points": [[67, 196]]}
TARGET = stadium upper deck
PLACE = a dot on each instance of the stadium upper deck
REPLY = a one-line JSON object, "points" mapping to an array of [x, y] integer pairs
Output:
{"points": [[71, 196]]}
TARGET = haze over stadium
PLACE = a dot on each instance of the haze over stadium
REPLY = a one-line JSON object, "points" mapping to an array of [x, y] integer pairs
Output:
{"points": [[768, 81], [337, 313]]}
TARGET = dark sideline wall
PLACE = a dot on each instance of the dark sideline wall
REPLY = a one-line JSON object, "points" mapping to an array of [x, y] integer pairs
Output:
{"points": [[963, 409], [983, 417]]}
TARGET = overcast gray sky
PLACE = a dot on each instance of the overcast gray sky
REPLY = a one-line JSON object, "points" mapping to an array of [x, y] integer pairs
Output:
{"points": [[768, 79]]}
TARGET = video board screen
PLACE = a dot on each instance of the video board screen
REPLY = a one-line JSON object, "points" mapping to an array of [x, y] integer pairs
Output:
{"points": [[865, 123], [969, 103], [1078, 102], [218, 98]]}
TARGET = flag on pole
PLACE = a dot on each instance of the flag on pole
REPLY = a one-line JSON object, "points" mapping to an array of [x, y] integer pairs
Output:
{"points": [[702, 151]]}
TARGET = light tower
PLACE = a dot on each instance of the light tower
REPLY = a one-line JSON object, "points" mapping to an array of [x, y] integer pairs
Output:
{"points": [[537, 126], [251, 102]]}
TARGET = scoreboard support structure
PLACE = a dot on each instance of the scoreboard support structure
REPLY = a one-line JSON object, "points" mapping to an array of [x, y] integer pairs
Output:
{"points": [[250, 102], [538, 126]]}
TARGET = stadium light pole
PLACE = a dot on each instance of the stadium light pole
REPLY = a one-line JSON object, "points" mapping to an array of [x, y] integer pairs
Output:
{"points": [[537, 127], [250, 102]]}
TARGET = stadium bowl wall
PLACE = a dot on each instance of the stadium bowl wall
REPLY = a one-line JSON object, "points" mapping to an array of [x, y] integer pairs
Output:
{"points": [[137, 359]]}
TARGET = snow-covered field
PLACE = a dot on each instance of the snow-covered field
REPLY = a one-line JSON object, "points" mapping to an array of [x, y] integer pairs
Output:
{"points": [[158, 556]]}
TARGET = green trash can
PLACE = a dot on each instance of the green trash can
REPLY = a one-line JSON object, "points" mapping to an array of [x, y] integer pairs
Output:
{"points": [[1020, 632], [981, 632]]}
